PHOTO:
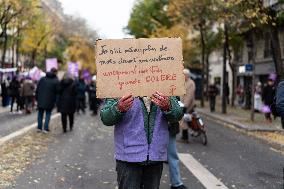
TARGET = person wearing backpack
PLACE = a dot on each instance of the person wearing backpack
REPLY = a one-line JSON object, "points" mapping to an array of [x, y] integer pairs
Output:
{"points": [[280, 101]]}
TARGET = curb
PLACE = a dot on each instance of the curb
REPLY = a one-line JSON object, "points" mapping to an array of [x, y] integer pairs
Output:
{"points": [[23, 131], [237, 125]]}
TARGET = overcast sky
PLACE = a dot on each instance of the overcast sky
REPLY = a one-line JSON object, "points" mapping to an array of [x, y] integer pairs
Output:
{"points": [[108, 17]]}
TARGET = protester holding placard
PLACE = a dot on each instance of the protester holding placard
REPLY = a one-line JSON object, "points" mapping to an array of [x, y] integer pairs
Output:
{"points": [[141, 137]]}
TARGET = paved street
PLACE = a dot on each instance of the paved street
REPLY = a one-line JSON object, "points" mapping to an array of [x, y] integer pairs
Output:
{"points": [[12, 122], [84, 159]]}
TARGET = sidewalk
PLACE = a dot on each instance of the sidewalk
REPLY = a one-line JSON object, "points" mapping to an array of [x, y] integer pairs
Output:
{"points": [[4, 109], [240, 118]]}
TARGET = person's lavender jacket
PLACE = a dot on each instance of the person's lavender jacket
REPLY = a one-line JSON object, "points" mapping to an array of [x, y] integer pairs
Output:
{"points": [[140, 136]]}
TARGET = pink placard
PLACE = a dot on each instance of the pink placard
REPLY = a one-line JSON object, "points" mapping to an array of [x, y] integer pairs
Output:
{"points": [[51, 63]]}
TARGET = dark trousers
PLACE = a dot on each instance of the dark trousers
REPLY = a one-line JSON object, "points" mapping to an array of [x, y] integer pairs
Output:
{"points": [[64, 120], [13, 100], [268, 116], [81, 104], [40, 118], [137, 176], [212, 100], [28, 103], [184, 134]]}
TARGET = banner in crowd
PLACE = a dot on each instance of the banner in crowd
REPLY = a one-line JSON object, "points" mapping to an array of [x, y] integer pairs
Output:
{"points": [[140, 67], [73, 69], [51, 63], [35, 73]]}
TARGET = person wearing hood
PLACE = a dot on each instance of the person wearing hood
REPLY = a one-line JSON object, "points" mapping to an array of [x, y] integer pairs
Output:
{"points": [[67, 101], [46, 94]]}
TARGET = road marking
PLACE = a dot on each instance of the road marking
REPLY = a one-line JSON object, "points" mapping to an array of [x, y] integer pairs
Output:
{"points": [[22, 131], [208, 180]]}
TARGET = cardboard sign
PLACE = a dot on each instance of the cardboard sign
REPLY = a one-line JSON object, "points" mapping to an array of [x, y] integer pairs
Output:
{"points": [[140, 67]]}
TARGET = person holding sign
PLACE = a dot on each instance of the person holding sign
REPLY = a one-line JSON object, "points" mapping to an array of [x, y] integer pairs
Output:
{"points": [[141, 137]]}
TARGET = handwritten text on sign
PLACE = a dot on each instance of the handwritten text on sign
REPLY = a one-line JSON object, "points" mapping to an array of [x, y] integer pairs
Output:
{"points": [[140, 67]]}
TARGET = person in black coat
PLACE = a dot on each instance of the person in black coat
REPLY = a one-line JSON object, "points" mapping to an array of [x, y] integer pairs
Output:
{"points": [[268, 95], [93, 100], [46, 94], [14, 89], [4, 93], [212, 93], [67, 101], [81, 97]]}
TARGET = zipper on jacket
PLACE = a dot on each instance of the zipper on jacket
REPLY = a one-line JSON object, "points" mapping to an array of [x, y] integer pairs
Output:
{"points": [[149, 134], [148, 129]]}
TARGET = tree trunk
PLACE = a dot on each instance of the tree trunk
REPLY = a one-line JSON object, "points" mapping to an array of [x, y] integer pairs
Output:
{"points": [[33, 58], [253, 49], [233, 69], [203, 64], [13, 54], [226, 45], [207, 75], [234, 85], [276, 52], [17, 46], [4, 45]]}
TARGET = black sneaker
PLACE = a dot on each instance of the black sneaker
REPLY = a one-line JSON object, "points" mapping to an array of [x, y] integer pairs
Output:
{"points": [[179, 187]]}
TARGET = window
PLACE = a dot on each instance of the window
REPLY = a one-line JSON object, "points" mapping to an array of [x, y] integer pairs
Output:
{"points": [[239, 55], [267, 46], [250, 56]]}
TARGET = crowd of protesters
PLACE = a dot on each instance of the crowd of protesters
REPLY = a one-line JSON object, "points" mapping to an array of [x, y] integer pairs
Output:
{"points": [[69, 96], [20, 92]]}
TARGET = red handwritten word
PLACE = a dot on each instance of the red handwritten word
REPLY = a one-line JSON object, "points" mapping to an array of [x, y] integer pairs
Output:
{"points": [[120, 73], [121, 84], [163, 77], [134, 71]]}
